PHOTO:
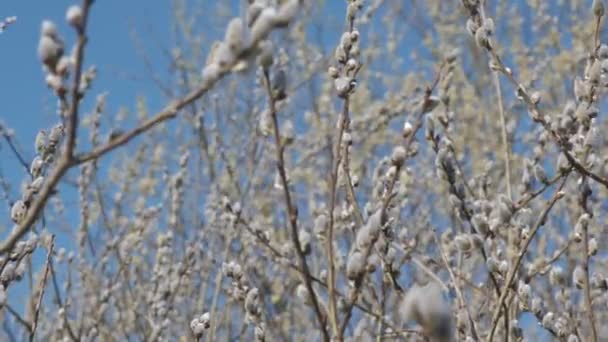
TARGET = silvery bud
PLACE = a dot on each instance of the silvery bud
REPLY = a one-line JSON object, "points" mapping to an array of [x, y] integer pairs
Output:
{"points": [[578, 277], [355, 266], [598, 8], [74, 16], [36, 166], [398, 155], [18, 211]]}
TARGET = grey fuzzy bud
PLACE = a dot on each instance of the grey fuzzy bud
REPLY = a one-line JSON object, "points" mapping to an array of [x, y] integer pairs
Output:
{"points": [[369, 232], [49, 51], [342, 85], [263, 24], [480, 223], [302, 293], [407, 128], [578, 277], [524, 291], [548, 319], [493, 265], [49, 29], [320, 225], [398, 155], [40, 142], [37, 184], [472, 27], [266, 54], [463, 242], [355, 266], [340, 54], [593, 247], [346, 41], [305, 239], [253, 12], [36, 166], [18, 211], [56, 134], [210, 73], [556, 276], [427, 306], [234, 38], [333, 72], [536, 306], [287, 12], [540, 174], [251, 302], [598, 8], [74, 16]]}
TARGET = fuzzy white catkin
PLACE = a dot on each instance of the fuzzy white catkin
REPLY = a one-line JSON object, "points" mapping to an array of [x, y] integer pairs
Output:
{"points": [[369, 232], [548, 319], [288, 132], [74, 16], [427, 306], [305, 240], [265, 58], [356, 265], [333, 72], [302, 294], [407, 128], [578, 277], [287, 12], [320, 225], [598, 8], [18, 211], [262, 25], [200, 324], [49, 29], [49, 51], [556, 276], [36, 166], [40, 141], [234, 36], [398, 155], [540, 174], [210, 73], [251, 301], [593, 246], [224, 56], [37, 184], [56, 134]]}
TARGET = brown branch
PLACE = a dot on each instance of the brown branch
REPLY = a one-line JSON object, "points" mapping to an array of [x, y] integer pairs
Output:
{"points": [[292, 212], [525, 244], [76, 93], [67, 160], [409, 139], [42, 286]]}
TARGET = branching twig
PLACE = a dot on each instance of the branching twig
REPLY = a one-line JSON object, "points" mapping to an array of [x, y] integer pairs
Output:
{"points": [[525, 244], [292, 213]]}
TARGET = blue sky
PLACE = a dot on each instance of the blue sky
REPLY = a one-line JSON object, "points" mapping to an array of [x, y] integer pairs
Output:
{"points": [[27, 105]]}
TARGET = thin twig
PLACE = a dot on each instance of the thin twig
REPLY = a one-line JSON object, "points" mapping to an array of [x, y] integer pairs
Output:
{"points": [[525, 244], [66, 162], [42, 286], [292, 213], [343, 123]]}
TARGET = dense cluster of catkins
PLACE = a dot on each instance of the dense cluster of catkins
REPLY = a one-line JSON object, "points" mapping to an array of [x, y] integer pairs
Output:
{"points": [[319, 194]]}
